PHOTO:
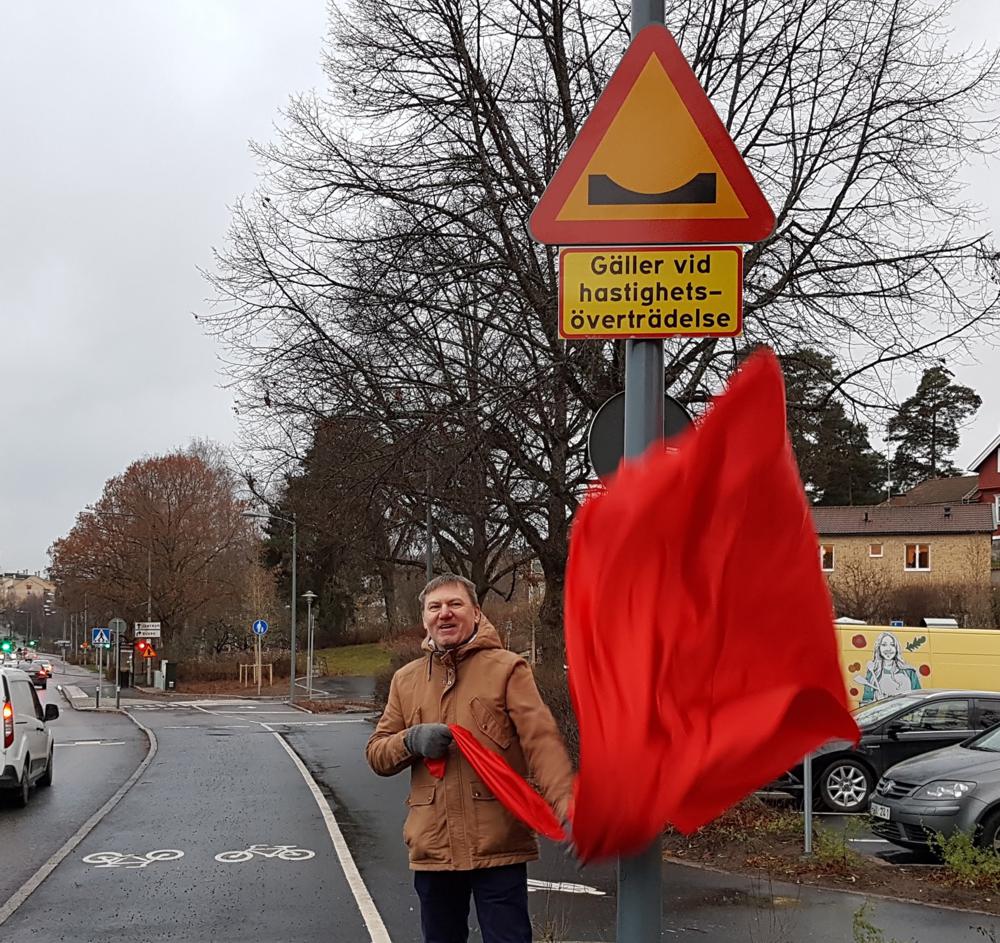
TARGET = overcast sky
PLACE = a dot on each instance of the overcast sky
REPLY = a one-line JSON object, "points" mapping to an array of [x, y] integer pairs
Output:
{"points": [[124, 141]]}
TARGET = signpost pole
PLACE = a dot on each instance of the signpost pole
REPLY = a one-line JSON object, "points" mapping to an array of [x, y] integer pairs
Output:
{"points": [[807, 803], [640, 882], [259, 671], [118, 668], [100, 673]]}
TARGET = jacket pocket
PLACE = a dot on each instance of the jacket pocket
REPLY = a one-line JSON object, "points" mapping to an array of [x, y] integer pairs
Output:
{"points": [[494, 724], [425, 830], [497, 831]]}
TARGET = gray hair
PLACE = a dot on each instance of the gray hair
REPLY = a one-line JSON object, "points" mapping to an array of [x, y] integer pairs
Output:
{"points": [[450, 579]]}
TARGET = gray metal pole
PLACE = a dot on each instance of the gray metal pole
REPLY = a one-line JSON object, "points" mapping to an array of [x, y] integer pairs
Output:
{"points": [[428, 534], [807, 803], [100, 674], [295, 540], [640, 881], [309, 646]]}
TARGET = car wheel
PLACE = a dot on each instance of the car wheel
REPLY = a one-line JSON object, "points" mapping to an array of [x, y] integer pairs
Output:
{"points": [[46, 777], [988, 833], [846, 786], [23, 790]]}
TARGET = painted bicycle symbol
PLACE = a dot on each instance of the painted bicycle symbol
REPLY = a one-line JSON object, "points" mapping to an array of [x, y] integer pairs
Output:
{"points": [[118, 859], [281, 852]]}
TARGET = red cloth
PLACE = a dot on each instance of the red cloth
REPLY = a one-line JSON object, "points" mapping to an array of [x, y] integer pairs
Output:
{"points": [[509, 787], [699, 637]]}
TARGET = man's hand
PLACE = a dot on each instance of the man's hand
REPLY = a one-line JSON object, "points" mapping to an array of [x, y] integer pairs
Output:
{"points": [[430, 740]]}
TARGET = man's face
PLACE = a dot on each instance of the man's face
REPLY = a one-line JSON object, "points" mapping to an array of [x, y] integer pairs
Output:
{"points": [[449, 616]]}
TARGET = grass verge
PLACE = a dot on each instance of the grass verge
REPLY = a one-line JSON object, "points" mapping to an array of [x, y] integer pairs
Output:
{"points": [[355, 660]]}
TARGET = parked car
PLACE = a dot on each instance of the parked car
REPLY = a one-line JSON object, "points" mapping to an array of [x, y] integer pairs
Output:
{"points": [[26, 740], [34, 670], [893, 729], [954, 789]]}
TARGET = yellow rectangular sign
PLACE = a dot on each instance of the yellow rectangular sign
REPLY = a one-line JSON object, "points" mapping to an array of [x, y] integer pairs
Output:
{"points": [[651, 291]]}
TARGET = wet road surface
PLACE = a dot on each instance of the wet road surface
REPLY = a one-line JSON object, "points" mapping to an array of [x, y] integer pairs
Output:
{"points": [[256, 822], [94, 754]]}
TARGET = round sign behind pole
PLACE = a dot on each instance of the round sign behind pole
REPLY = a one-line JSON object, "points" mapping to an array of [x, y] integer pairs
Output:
{"points": [[606, 439]]}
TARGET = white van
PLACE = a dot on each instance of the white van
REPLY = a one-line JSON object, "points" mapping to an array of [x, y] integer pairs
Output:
{"points": [[25, 740]]}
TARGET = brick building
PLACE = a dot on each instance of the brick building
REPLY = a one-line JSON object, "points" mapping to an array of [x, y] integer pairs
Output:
{"points": [[908, 544]]}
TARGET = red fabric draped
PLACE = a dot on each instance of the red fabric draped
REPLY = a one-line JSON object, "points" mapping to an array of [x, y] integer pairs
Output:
{"points": [[699, 637]]}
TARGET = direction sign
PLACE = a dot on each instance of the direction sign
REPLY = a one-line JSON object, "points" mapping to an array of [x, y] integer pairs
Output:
{"points": [[146, 630], [652, 163], [101, 636], [651, 291], [259, 627]]}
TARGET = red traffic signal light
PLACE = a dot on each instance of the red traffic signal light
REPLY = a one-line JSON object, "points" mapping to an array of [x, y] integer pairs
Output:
{"points": [[141, 645]]}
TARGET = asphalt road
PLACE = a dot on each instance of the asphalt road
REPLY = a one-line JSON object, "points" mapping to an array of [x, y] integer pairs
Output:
{"points": [[94, 754], [315, 853]]}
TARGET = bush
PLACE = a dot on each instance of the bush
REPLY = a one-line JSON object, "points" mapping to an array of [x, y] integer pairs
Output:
{"points": [[402, 651], [226, 667], [554, 688], [966, 862]]}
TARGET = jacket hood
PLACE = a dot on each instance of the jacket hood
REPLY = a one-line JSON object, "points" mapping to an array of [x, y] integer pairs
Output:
{"points": [[486, 636]]}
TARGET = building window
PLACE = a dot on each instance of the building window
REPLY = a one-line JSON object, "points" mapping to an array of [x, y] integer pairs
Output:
{"points": [[874, 550], [826, 557], [996, 510], [918, 557]]}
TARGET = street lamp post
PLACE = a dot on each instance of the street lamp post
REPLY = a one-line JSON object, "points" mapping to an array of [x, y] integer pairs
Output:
{"points": [[295, 531], [309, 597]]}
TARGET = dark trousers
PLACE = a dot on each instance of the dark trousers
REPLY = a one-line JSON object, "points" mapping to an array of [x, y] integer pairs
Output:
{"points": [[501, 904]]}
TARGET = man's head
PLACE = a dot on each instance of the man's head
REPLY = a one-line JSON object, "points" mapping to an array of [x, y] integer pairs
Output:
{"points": [[450, 610]]}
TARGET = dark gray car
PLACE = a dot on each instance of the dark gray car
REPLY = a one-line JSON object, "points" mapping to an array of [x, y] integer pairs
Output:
{"points": [[892, 730], [954, 789]]}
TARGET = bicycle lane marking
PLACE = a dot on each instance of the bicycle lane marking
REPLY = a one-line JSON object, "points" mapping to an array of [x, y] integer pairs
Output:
{"points": [[369, 912], [204, 795]]}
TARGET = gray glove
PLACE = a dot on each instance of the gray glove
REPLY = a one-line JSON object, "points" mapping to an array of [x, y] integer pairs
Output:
{"points": [[430, 740]]}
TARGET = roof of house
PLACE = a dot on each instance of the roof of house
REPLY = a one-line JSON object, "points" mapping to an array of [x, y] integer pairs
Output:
{"points": [[952, 490], [974, 465], [918, 519]]}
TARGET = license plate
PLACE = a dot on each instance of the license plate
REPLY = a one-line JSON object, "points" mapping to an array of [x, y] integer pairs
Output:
{"points": [[880, 811]]}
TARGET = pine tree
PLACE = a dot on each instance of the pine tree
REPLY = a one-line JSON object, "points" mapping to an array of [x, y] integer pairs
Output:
{"points": [[926, 427], [836, 460]]}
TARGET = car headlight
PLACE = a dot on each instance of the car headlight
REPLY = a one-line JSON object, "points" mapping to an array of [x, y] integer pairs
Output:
{"points": [[945, 789]]}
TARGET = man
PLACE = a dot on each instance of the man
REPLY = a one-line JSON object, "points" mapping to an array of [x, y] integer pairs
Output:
{"points": [[462, 841]]}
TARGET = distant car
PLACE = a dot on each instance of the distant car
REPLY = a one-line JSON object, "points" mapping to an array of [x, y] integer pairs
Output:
{"points": [[893, 729], [949, 790], [26, 741], [47, 665], [34, 670]]}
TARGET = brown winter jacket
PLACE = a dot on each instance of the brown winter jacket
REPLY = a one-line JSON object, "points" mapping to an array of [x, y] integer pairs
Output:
{"points": [[456, 823]]}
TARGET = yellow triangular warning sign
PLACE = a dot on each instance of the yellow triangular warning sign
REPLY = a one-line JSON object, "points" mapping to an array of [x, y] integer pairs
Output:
{"points": [[652, 164]]}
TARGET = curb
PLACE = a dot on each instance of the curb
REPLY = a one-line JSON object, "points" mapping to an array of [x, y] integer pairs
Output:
{"points": [[872, 895]]}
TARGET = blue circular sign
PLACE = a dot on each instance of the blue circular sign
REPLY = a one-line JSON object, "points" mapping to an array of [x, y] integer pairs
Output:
{"points": [[259, 627]]}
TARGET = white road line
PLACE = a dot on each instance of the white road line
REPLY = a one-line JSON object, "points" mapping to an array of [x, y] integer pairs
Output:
{"points": [[314, 723], [870, 841], [29, 887], [92, 743], [369, 912]]}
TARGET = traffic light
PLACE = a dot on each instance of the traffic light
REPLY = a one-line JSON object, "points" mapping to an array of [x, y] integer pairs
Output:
{"points": [[6, 646], [140, 646], [33, 644]]}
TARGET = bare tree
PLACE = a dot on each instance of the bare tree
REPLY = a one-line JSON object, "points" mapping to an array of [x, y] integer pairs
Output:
{"points": [[383, 268]]}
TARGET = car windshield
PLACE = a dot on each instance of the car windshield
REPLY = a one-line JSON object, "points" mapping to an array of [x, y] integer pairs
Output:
{"points": [[869, 714], [988, 742]]}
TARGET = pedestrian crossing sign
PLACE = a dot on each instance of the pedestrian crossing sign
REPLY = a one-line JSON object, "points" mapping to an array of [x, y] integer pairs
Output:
{"points": [[101, 636]]}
